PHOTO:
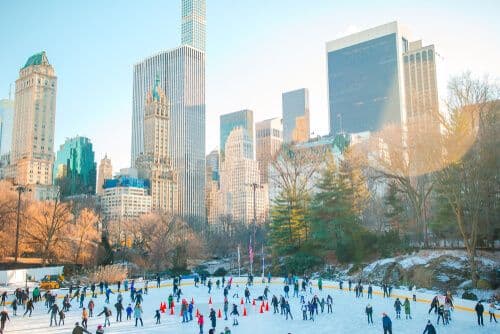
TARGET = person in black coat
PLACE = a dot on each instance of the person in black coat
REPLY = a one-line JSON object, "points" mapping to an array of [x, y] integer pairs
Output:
{"points": [[429, 329], [369, 313], [479, 311]]}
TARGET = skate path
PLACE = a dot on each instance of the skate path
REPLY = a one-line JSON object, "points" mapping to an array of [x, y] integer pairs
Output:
{"points": [[348, 312]]}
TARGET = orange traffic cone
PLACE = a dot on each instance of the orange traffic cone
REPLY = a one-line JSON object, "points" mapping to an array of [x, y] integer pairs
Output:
{"points": [[173, 305], [267, 306], [192, 301], [244, 311], [210, 301], [197, 313], [242, 301], [261, 309], [253, 302], [172, 310], [219, 315]]}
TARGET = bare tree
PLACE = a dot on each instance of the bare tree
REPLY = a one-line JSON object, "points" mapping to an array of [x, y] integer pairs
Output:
{"points": [[85, 236], [8, 202]]}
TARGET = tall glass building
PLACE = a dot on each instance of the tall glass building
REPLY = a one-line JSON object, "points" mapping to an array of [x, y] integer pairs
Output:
{"points": [[365, 79], [239, 119], [295, 106], [75, 167], [194, 23]]}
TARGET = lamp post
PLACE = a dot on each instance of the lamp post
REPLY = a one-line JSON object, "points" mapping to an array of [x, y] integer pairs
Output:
{"points": [[20, 189], [254, 186]]}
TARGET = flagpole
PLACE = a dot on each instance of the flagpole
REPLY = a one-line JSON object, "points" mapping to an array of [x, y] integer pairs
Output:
{"points": [[263, 264], [239, 267]]}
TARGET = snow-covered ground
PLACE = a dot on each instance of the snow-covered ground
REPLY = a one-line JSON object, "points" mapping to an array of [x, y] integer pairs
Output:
{"points": [[348, 313]]}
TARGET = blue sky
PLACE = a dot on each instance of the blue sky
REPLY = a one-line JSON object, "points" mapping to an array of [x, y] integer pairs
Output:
{"points": [[255, 50]]}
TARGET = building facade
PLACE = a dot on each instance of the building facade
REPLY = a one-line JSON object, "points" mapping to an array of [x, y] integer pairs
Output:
{"points": [[366, 80], [125, 198], [154, 164], [194, 23], [181, 72], [295, 107], [32, 153], [75, 167], [105, 173], [212, 165], [229, 122], [269, 139], [6, 123], [238, 175]]}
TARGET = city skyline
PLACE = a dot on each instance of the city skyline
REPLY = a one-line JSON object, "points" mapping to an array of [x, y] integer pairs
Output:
{"points": [[81, 55]]}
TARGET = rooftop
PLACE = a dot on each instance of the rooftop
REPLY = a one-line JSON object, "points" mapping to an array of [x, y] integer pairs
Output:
{"points": [[37, 59]]}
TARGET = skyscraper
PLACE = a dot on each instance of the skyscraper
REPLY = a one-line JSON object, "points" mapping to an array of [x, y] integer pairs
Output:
{"points": [[231, 121], [365, 79], [105, 172], [6, 123], [194, 23], [154, 163], [32, 154], [181, 74], [421, 85], [213, 162], [75, 167], [269, 139], [295, 106], [237, 175]]}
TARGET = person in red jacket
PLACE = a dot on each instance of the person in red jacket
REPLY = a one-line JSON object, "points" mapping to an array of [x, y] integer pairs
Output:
{"points": [[201, 322]]}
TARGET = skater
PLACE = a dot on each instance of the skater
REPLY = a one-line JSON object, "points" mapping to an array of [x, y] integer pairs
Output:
{"points": [[304, 311], [30, 307], [99, 330], [14, 307], [235, 314], [138, 314], [386, 324], [434, 305], [79, 329], [54, 310], [349, 282], [429, 329], [406, 305], [107, 315], [370, 291], [274, 303], [190, 310], [397, 307], [213, 318], [158, 316], [491, 311], [441, 314], [184, 311], [226, 308], [287, 310], [329, 302], [4, 316], [369, 313], [414, 289], [119, 309], [91, 308], [201, 321], [322, 305], [108, 292], [61, 318], [158, 280], [479, 312], [247, 295], [85, 317], [320, 284], [129, 311], [341, 283], [296, 289], [286, 289], [209, 285]]}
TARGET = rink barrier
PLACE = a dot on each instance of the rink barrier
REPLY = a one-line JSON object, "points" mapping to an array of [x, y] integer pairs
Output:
{"points": [[279, 282]]}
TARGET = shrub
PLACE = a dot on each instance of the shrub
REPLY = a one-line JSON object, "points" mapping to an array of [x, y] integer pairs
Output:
{"points": [[469, 295], [112, 273]]}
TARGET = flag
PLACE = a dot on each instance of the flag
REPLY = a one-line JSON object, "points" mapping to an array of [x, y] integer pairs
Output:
{"points": [[238, 256], [250, 253]]}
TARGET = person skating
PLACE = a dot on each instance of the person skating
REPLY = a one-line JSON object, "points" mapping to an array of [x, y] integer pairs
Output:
{"points": [[119, 309], [247, 295], [79, 329], [349, 282], [441, 314], [4, 317], [329, 303], [369, 313], [274, 303], [190, 310], [287, 311], [406, 305], [227, 330], [82, 298], [108, 292], [434, 305], [429, 329], [320, 284], [295, 289], [201, 322], [397, 307], [386, 324], [226, 308], [235, 314], [107, 316], [310, 307], [61, 317], [479, 312], [29, 307], [158, 280], [4, 298], [491, 310], [286, 289], [158, 316], [91, 308], [14, 307], [304, 311], [99, 330], [85, 317], [370, 291], [129, 311], [213, 318], [138, 314], [322, 305], [209, 285], [54, 310], [184, 311]]}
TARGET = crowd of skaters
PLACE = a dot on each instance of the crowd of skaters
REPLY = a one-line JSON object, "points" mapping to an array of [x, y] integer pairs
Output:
{"points": [[311, 305]]}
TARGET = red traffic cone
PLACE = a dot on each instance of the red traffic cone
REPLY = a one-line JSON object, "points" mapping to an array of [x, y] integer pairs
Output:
{"points": [[253, 302], [242, 301], [172, 310], [267, 306], [197, 313], [210, 301], [219, 315], [244, 311], [173, 305], [192, 301], [261, 309]]}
